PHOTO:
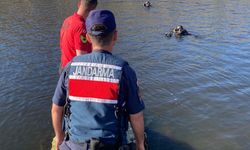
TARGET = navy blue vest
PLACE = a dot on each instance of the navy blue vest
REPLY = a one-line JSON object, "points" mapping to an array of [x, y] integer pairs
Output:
{"points": [[93, 92]]}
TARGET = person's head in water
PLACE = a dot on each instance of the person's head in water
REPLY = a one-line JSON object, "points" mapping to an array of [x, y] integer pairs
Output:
{"points": [[147, 4], [101, 29], [178, 29], [85, 6]]}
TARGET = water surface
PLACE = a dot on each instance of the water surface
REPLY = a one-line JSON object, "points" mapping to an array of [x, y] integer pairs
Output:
{"points": [[196, 89]]}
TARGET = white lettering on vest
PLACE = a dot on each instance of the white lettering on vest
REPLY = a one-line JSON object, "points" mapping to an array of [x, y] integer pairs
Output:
{"points": [[94, 72]]}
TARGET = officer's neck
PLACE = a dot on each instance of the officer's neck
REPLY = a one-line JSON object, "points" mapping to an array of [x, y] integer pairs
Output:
{"points": [[108, 48], [82, 11]]}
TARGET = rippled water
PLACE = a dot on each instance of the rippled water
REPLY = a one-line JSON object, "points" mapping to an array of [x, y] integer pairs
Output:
{"points": [[196, 89]]}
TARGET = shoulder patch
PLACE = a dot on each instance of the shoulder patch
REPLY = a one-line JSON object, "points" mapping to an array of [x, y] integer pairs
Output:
{"points": [[83, 39]]}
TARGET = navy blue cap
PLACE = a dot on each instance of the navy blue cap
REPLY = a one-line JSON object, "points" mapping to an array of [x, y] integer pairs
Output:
{"points": [[100, 17]]}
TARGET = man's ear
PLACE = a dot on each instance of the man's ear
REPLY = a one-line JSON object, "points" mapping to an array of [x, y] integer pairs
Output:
{"points": [[88, 38], [115, 37]]}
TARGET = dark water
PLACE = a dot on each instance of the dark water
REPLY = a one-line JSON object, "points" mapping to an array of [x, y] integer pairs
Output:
{"points": [[197, 89]]}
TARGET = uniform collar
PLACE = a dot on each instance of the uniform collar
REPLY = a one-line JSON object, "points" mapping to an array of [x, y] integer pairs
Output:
{"points": [[101, 51], [79, 16]]}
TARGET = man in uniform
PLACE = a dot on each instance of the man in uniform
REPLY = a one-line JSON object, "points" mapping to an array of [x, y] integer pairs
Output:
{"points": [[102, 94], [73, 33]]}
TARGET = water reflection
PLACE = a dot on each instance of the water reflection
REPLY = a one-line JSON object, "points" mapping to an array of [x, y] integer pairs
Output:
{"points": [[196, 89]]}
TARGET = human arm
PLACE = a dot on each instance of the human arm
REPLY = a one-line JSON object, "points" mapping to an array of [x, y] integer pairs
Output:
{"points": [[135, 105], [57, 118], [169, 34], [137, 123], [57, 110]]}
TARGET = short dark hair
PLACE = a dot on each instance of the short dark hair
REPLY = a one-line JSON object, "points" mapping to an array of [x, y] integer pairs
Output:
{"points": [[102, 39], [89, 3]]}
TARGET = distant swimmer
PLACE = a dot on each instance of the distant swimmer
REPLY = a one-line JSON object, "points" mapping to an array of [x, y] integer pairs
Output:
{"points": [[147, 4], [178, 31]]}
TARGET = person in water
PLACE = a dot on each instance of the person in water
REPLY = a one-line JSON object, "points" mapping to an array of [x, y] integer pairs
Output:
{"points": [[178, 31], [147, 4], [73, 40], [100, 93]]}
